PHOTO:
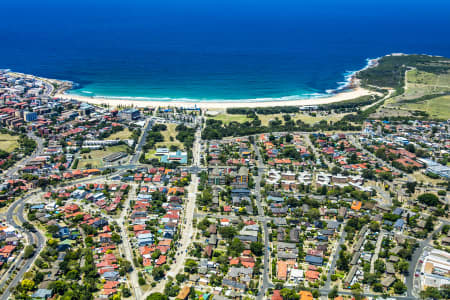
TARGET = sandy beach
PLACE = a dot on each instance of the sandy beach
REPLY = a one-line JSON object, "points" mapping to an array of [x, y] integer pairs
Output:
{"points": [[342, 96]]}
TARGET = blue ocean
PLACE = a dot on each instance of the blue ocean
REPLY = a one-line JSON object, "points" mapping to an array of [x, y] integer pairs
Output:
{"points": [[214, 50]]}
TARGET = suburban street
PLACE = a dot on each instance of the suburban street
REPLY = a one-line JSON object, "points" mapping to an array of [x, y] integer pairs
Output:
{"points": [[188, 231], [266, 284], [39, 147], [33, 238]]}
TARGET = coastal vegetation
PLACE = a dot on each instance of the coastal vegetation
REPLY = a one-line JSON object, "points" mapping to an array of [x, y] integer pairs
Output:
{"points": [[346, 115], [426, 95], [422, 91], [390, 70], [216, 129]]}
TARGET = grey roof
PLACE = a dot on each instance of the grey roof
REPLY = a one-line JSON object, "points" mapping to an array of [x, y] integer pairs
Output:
{"points": [[42, 293], [390, 268], [398, 211], [279, 210], [332, 224], [236, 271], [327, 232], [355, 258], [254, 227], [399, 223], [315, 260], [294, 235], [351, 274], [280, 221], [283, 245], [275, 198], [388, 281], [247, 238], [234, 284], [112, 274], [287, 255]]}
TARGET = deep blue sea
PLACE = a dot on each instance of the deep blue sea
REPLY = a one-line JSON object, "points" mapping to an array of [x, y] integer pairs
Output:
{"points": [[213, 49]]}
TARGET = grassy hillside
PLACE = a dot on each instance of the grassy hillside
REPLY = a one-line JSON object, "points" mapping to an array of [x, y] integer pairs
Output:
{"points": [[390, 71]]}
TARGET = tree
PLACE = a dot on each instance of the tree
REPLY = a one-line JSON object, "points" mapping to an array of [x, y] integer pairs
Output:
{"points": [[157, 273], [236, 246], [429, 224], [370, 278], [374, 226], [180, 277], [157, 296], [141, 280], [257, 248], [227, 232], [53, 229], [399, 287], [333, 293], [72, 275], [403, 266], [170, 289], [115, 238], [27, 284], [431, 293], [343, 261], [126, 292], [380, 267], [429, 199], [156, 254], [38, 277], [289, 294], [28, 252], [190, 266], [368, 174], [411, 186], [377, 287], [357, 294]]}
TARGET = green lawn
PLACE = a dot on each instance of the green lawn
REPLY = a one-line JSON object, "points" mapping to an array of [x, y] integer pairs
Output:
{"points": [[423, 83], [265, 119], [120, 135], [8, 142], [95, 158], [421, 77], [227, 118], [419, 84], [170, 132], [437, 108], [151, 154]]}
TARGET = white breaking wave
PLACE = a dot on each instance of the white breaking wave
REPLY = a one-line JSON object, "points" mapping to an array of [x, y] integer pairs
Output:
{"points": [[342, 85], [187, 100]]}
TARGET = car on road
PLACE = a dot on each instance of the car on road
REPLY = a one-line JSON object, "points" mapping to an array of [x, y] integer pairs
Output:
{"points": [[417, 274]]}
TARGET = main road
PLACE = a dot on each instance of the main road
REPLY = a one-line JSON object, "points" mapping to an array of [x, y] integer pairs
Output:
{"points": [[135, 158], [265, 283], [187, 233], [35, 238], [40, 145]]}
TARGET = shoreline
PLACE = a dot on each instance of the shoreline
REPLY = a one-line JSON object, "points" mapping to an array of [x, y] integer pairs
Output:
{"points": [[338, 97], [351, 89]]}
